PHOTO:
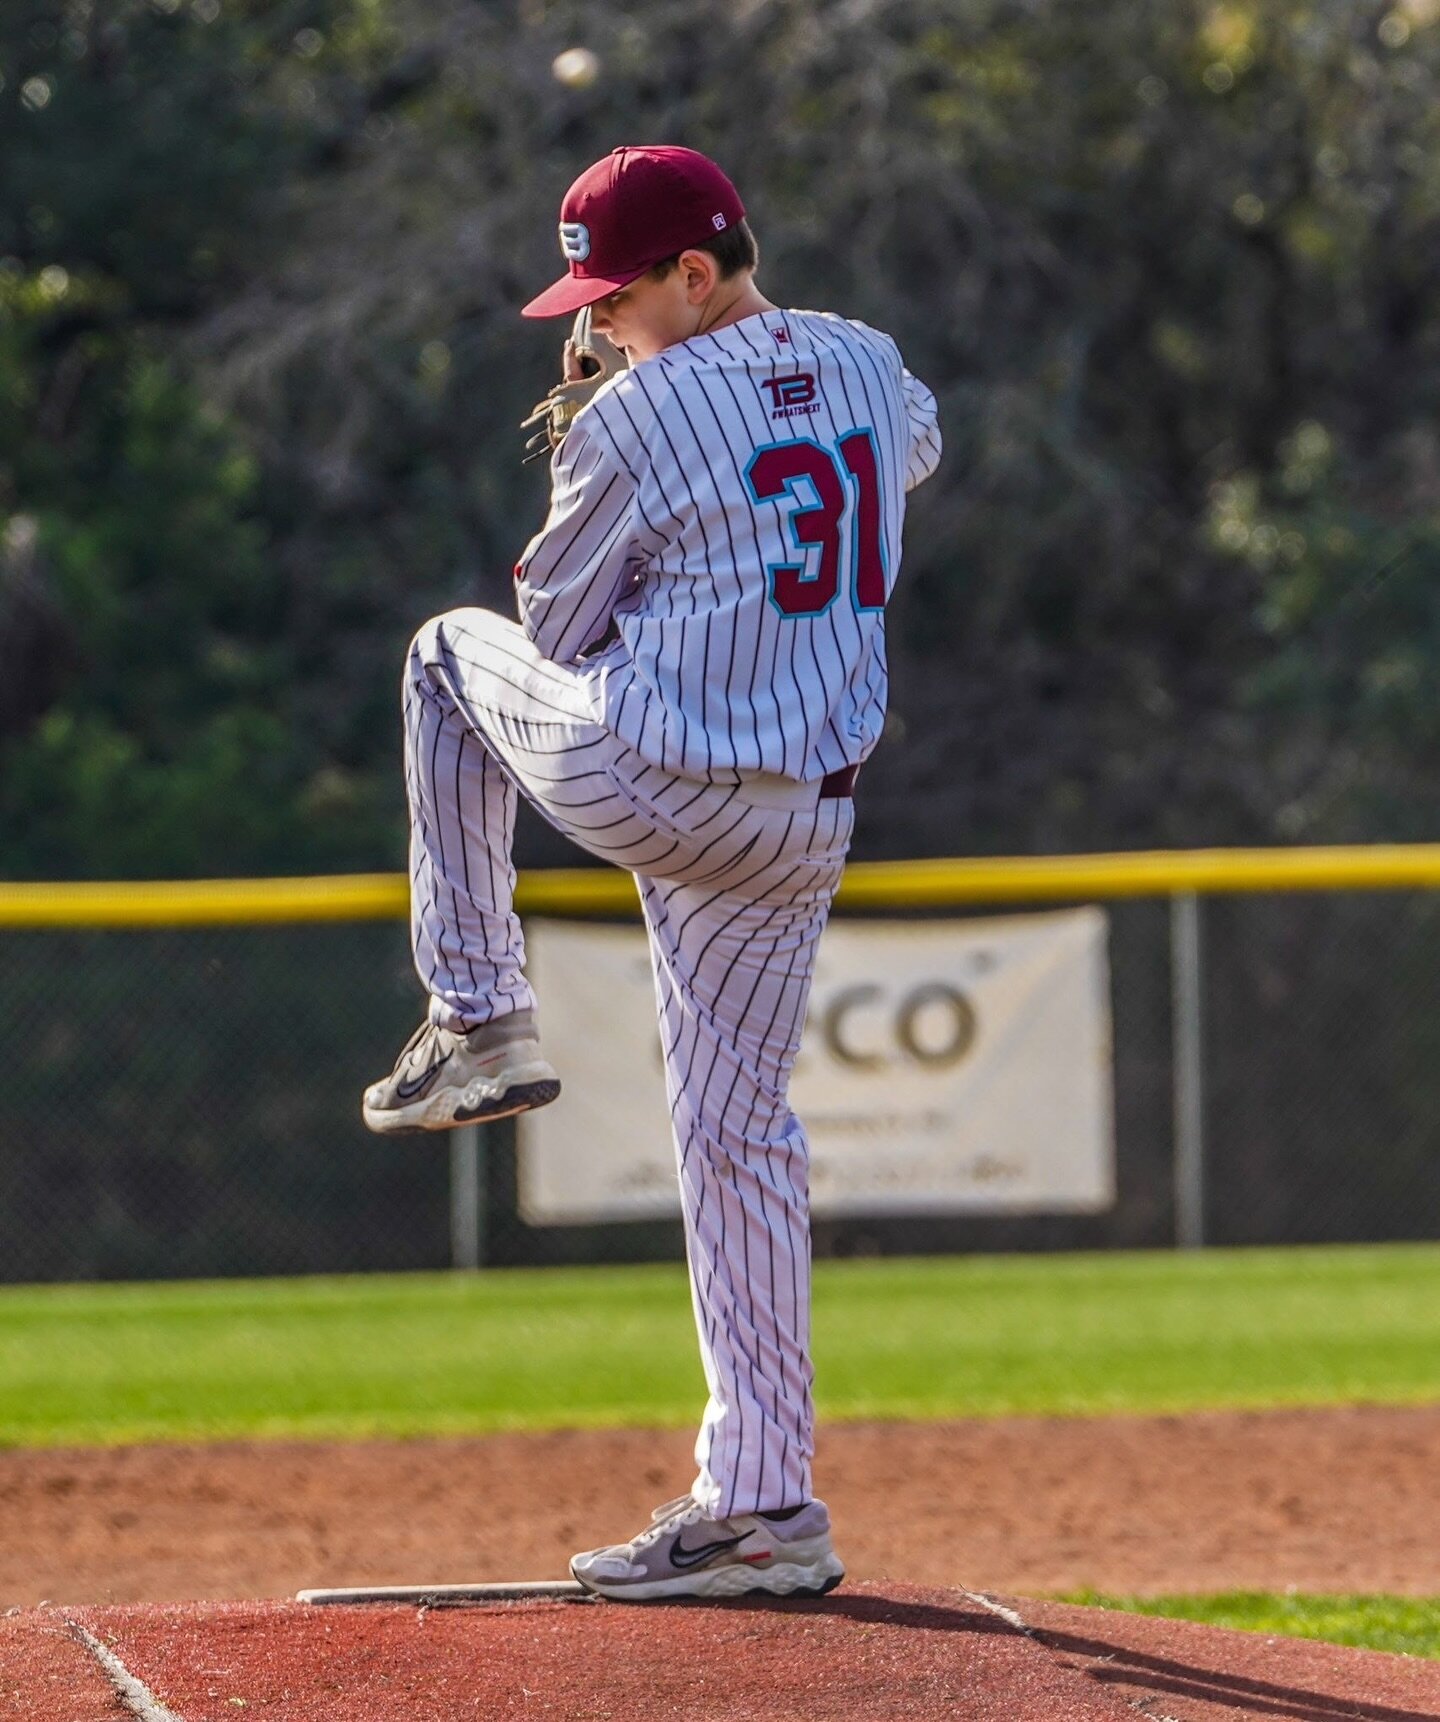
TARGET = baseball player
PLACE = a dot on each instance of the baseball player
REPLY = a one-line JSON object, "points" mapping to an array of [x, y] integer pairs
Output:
{"points": [[696, 676]]}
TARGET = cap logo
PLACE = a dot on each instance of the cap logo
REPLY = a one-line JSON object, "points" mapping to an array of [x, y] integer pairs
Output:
{"points": [[718, 223], [574, 241]]}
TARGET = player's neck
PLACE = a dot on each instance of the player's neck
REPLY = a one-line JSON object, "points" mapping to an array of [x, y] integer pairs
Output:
{"points": [[749, 301]]}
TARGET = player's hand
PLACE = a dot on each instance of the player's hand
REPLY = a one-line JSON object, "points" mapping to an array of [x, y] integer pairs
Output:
{"points": [[586, 362], [581, 363]]}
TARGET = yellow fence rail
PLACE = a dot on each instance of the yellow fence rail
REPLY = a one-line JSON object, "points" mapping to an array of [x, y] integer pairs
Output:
{"points": [[867, 885]]}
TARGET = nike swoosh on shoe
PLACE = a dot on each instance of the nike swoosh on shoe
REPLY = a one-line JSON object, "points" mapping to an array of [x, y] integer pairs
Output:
{"points": [[413, 1089], [685, 1559]]}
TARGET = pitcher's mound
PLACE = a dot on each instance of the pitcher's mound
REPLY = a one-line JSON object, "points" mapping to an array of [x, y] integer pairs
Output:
{"points": [[870, 1652]]}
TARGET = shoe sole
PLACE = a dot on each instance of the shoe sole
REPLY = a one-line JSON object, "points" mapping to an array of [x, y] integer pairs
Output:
{"points": [[719, 1583], [453, 1108]]}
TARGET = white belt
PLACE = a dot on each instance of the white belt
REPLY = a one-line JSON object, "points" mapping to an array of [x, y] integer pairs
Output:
{"points": [[771, 789]]}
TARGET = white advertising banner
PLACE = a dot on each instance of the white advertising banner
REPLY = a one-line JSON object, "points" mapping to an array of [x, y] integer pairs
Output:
{"points": [[956, 1067]]}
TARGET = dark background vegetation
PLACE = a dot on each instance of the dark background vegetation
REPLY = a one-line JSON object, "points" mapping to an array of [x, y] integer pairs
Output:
{"points": [[1168, 267], [1170, 270]]}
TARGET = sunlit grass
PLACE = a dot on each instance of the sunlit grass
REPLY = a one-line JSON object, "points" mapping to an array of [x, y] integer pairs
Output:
{"points": [[954, 1337], [1404, 1624]]}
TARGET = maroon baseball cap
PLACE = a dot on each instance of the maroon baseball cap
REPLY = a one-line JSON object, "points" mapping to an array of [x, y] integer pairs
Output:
{"points": [[641, 204]]}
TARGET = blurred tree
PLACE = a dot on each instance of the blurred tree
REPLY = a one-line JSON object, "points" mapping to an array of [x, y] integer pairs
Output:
{"points": [[1148, 255], [144, 625]]}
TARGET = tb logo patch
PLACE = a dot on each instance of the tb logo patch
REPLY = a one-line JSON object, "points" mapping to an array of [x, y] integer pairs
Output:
{"points": [[792, 397], [574, 241]]}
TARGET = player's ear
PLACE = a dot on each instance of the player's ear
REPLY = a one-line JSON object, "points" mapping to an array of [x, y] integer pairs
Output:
{"points": [[700, 273]]}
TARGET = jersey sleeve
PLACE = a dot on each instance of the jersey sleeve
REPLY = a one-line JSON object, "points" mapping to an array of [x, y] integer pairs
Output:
{"points": [[588, 553], [925, 443]]}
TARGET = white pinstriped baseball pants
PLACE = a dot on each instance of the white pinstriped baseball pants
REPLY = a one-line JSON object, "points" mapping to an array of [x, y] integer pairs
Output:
{"points": [[735, 897]]}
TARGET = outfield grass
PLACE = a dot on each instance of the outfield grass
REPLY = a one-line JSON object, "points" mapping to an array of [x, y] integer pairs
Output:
{"points": [[1406, 1624], [415, 1354]]}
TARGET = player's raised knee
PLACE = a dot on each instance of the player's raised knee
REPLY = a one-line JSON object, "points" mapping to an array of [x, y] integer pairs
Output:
{"points": [[465, 632]]}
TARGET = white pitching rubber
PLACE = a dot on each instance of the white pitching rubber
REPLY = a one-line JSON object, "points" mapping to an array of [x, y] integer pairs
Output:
{"points": [[447, 1595]]}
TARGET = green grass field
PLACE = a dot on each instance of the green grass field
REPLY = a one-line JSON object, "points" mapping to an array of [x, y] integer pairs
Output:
{"points": [[417, 1354], [1405, 1624]]}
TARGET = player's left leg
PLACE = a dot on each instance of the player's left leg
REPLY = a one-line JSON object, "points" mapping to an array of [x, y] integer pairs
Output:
{"points": [[733, 960]]}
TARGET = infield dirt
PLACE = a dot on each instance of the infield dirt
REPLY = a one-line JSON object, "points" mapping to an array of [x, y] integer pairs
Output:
{"points": [[1321, 1500]]}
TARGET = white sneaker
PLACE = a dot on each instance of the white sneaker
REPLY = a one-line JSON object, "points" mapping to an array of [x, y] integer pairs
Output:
{"points": [[685, 1553], [443, 1078]]}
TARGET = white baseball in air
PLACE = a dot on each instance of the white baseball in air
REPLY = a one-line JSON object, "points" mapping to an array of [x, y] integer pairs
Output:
{"points": [[576, 67]]}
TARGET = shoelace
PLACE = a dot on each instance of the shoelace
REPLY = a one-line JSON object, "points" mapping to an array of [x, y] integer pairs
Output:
{"points": [[421, 1037], [683, 1510]]}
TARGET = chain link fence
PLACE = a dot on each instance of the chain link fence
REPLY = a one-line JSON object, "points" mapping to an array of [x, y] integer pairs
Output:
{"points": [[186, 1103]]}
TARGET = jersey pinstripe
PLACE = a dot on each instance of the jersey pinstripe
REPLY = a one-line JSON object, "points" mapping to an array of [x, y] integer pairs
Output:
{"points": [[741, 634]]}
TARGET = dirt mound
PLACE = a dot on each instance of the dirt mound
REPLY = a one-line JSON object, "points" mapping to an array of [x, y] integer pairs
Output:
{"points": [[1341, 1500], [868, 1652]]}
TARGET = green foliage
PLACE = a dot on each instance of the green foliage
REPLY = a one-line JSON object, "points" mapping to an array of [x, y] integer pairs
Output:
{"points": [[1143, 252], [147, 622], [540, 1349], [1167, 266], [1402, 1625], [1351, 605], [135, 144]]}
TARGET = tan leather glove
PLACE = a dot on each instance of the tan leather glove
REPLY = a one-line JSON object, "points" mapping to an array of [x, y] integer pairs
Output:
{"points": [[589, 361]]}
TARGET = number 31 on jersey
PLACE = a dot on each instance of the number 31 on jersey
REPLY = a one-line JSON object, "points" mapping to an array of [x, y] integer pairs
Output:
{"points": [[811, 585]]}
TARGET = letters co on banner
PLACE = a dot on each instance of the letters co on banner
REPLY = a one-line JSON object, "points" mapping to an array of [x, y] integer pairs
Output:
{"points": [[955, 1067]]}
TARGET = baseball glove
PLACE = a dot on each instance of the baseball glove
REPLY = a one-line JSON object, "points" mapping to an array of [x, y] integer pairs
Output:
{"points": [[589, 362]]}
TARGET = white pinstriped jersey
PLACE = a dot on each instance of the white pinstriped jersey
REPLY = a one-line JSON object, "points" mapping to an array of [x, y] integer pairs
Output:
{"points": [[729, 512]]}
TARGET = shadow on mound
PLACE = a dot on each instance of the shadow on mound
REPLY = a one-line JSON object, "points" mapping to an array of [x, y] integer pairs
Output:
{"points": [[1223, 1674]]}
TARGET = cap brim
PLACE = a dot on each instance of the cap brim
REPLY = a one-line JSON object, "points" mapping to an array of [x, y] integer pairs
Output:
{"points": [[574, 292]]}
